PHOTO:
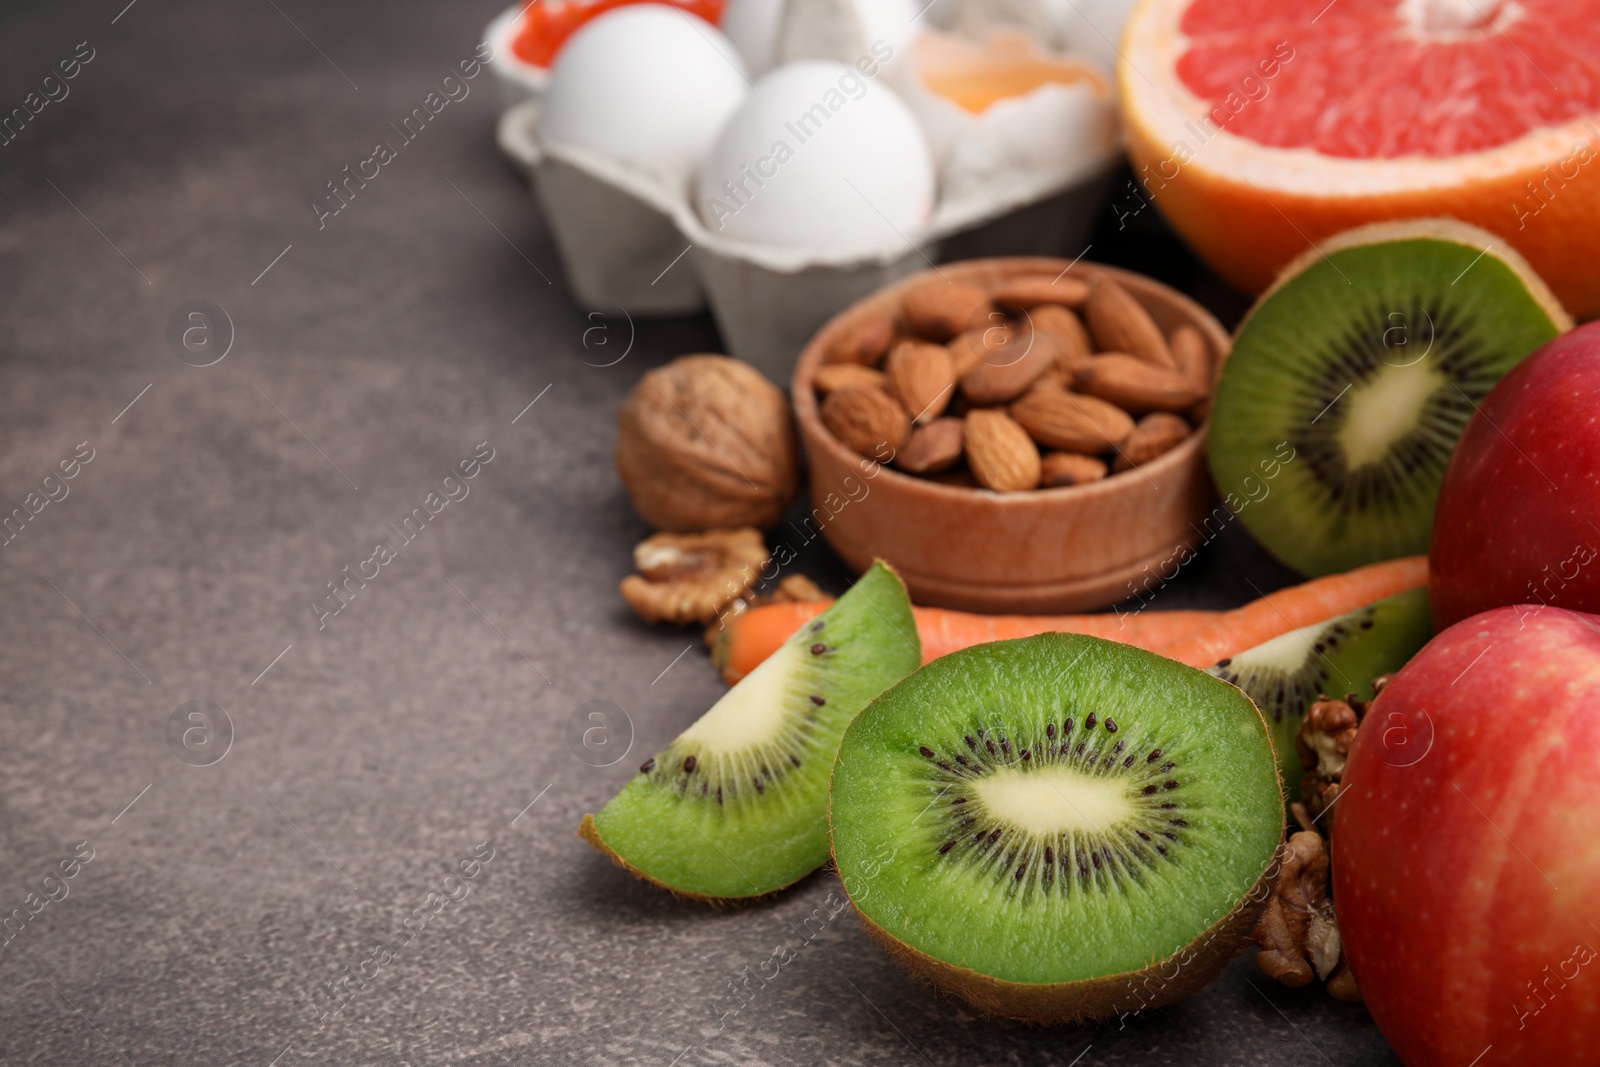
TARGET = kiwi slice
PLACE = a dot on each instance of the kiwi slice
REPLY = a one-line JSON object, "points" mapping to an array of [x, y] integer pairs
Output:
{"points": [[1286, 675], [736, 806], [1353, 376], [1058, 828]]}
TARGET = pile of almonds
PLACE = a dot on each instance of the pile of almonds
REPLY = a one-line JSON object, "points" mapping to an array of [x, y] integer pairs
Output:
{"points": [[1009, 388]]}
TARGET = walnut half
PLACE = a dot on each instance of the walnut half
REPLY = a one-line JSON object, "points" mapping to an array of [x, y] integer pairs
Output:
{"points": [[691, 578], [1299, 903], [1323, 745], [1298, 932]]}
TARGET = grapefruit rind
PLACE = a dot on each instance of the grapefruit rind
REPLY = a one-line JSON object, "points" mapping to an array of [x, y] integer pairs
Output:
{"points": [[1248, 209], [1161, 110]]}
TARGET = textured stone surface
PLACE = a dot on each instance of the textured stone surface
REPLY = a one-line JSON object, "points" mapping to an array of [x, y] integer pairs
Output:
{"points": [[431, 714]]}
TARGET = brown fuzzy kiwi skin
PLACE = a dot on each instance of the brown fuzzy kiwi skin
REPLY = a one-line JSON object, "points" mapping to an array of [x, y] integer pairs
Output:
{"points": [[588, 832], [1162, 982]]}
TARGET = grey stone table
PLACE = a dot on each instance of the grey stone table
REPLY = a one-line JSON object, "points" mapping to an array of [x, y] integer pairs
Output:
{"points": [[281, 805]]}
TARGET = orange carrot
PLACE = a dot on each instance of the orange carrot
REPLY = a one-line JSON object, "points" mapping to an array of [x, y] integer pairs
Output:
{"points": [[943, 631], [1198, 638], [753, 635], [1300, 605], [749, 637]]}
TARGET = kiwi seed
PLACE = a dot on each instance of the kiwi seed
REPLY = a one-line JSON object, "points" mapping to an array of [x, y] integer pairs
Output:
{"points": [[1043, 826], [1352, 378], [1058, 862], [1286, 675], [750, 776]]}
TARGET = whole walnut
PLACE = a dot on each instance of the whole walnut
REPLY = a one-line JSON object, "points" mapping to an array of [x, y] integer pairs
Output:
{"points": [[705, 443]]}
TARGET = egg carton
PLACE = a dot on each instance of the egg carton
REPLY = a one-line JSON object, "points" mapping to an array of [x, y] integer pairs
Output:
{"points": [[629, 241]]}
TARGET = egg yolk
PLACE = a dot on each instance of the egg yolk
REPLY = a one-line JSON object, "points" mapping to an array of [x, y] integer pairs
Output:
{"points": [[976, 76]]}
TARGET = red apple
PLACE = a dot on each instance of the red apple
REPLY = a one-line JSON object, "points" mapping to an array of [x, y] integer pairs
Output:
{"points": [[1466, 846], [1518, 520]]}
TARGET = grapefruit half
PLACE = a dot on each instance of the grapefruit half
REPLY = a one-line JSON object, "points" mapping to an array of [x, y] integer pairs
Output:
{"points": [[1259, 127]]}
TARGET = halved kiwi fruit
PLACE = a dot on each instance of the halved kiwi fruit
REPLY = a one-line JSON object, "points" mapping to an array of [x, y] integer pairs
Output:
{"points": [[736, 806], [1058, 827], [1286, 675], [1366, 358]]}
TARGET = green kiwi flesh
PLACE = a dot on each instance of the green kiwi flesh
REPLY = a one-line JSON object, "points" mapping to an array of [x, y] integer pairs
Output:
{"points": [[1286, 675], [1367, 359], [1058, 828], [736, 806]]}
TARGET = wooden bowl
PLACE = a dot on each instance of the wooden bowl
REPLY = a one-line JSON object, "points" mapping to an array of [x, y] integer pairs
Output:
{"points": [[1043, 551]]}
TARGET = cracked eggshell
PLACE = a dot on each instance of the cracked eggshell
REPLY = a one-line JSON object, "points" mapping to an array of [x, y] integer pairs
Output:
{"points": [[1088, 27], [646, 86], [994, 143], [821, 159]]}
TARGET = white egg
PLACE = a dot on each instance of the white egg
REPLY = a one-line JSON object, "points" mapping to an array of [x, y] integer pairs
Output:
{"points": [[646, 85], [819, 158]]}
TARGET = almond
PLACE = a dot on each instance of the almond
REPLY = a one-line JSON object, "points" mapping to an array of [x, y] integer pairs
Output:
{"points": [[1072, 340], [1069, 468], [938, 310], [1137, 387], [1058, 419], [864, 338], [932, 448], [967, 350], [1191, 354], [1155, 435], [831, 377], [1006, 372], [1000, 453], [919, 376], [1120, 323], [1031, 290], [870, 421]]}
